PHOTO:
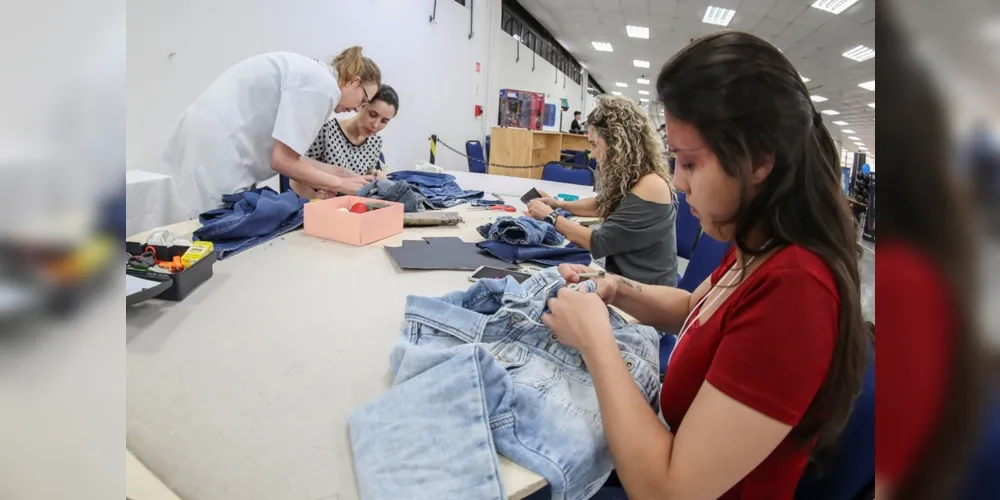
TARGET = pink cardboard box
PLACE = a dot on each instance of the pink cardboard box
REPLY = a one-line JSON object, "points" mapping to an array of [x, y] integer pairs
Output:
{"points": [[323, 219]]}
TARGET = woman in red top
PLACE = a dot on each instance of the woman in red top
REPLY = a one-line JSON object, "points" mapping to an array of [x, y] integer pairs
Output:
{"points": [[772, 348]]}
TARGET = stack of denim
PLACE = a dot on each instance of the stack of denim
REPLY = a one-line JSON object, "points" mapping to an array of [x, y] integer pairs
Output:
{"points": [[398, 191], [520, 231], [441, 190], [478, 374], [250, 218]]}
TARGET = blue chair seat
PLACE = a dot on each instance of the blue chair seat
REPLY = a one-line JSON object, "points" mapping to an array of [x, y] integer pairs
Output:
{"points": [[558, 172], [688, 228]]}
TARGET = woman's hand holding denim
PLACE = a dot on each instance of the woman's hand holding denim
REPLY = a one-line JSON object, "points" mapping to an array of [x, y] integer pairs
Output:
{"points": [[579, 319]]}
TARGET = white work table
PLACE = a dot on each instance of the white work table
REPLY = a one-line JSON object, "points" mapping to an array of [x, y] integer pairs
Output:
{"points": [[243, 390]]}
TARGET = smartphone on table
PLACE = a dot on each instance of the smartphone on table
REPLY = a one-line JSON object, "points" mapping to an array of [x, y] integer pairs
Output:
{"points": [[487, 272], [531, 195]]}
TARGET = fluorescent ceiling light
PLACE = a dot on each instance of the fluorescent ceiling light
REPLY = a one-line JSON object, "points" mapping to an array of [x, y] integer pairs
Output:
{"points": [[868, 85], [642, 81], [615, 92], [818, 98], [853, 138], [602, 46], [639, 63], [621, 84], [840, 123], [871, 105], [859, 143], [834, 6], [848, 131], [643, 99], [643, 92], [859, 53], [804, 79], [830, 112], [718, 16], [637, 31]]}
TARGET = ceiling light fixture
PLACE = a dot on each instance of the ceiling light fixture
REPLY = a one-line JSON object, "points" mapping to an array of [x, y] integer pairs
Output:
{"points": [[871, 105], [642, 81], [602, 46], [834, 6], [854, 138], [859, 53], [615, 92], [804, 79], [718, 16], [848, 131], [830, 112], [621, 84], [637, 31], [643, 99], [840, 123], [818, 98], [639, 63], [643, 92], [868, 85], [859, 143]]}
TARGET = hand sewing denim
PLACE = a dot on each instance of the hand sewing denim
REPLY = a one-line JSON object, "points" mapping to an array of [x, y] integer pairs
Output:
{"points": [[478, 374]]}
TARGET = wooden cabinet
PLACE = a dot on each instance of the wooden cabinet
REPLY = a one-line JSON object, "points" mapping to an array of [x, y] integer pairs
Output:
{"points": [[518, 146]]}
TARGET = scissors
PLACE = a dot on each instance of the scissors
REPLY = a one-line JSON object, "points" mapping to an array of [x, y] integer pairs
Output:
{"points": [[499, 208], [145, 260]]}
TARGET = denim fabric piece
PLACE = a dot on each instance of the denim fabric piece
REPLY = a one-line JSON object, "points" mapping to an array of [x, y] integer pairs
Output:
{"points": [[250, 218], [441, 190], [533, 396], [541, 254], [521, 231], [398, 191]]}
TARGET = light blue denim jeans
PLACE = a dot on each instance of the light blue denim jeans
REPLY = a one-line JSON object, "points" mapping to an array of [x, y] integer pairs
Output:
{"points": [[521, 231], [477, 374]]}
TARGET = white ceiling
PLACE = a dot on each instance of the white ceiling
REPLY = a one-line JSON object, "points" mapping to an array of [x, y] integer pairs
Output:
{"points": [[813, 40]]}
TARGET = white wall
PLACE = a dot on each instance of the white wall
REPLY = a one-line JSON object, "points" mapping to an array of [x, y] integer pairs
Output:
{"points": [[177, 48], [516, 73]]}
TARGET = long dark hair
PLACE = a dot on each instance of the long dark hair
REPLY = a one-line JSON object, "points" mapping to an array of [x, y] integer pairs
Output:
{"points": [[752, 108]]}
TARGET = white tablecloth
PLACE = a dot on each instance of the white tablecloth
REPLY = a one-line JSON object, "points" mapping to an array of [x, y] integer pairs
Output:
{"points": [[152, 201]]}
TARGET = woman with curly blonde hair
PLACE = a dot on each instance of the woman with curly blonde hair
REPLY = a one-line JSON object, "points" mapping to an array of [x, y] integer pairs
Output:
{"points": [[635, 201]]}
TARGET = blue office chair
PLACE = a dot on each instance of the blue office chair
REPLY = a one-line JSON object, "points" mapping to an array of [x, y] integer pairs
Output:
{"points": [[558, 172], [851, 473], [688, 228], [707, 256], [474, 150], [284, 184], [983, 480], [487, 148]]}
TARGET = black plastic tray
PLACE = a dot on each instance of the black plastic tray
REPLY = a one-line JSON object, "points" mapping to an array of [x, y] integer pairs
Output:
{"points": [[185, 281]]}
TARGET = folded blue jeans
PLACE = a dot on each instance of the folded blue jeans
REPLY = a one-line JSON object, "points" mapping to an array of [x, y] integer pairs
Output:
{"points": [[249, 218], [541, 254], [478, 374], [440, 190], [521, 231]]}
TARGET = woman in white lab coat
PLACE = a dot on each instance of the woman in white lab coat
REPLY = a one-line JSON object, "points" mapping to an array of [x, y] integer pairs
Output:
{"points": [[259, 118]]}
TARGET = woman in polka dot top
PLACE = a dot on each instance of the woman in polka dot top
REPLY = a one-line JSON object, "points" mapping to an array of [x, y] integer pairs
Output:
{"points": [[352, 143]]}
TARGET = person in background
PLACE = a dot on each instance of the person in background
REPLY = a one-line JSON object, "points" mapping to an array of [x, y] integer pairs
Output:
{"points": [[353, 143], [259, 118], [636, 202], [773, 346], [576, 127]]}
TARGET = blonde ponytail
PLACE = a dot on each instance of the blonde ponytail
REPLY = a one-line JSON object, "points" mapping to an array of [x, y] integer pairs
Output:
{"points": [[350, 63]]}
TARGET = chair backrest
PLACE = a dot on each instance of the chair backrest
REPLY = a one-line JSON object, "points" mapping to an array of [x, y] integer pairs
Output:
{"points": [[983, 480], [474, 150], [851, 471], [557, 172], [487, 148], [381, 158], [707, 256], [284, 183], [688, 228]]}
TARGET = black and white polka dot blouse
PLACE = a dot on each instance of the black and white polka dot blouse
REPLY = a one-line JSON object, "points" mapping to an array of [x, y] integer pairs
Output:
{"points": [[333, 148]]}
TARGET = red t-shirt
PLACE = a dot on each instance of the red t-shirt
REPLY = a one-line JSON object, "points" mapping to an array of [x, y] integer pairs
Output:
{"points": [[918, 324], [768, 346]]}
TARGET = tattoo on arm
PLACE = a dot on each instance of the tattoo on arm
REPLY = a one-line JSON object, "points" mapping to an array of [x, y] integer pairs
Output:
{"points": [[631, 284]]}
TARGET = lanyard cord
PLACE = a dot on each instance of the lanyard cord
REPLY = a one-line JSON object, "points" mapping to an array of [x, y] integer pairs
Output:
{"points": [[686, 325]]}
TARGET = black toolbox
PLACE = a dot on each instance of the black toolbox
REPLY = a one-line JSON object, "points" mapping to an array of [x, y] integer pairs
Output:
{"points": [[185, 281]]}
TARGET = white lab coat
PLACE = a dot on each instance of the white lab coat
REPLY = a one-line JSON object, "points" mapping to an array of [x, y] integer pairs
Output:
{"points": [[223, 141]]}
